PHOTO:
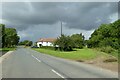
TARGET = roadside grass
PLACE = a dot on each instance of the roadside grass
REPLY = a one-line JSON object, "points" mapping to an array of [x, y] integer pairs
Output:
{"points": [[84, 54], [7, 49], [109, 51], [77, 54]]}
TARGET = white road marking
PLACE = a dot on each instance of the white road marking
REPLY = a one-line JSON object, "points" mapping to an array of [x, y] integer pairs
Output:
{"points": [[36, 58], [57, 73]]}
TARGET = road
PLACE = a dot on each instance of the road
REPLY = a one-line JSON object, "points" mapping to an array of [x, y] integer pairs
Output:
{"points": [[27, 63]]}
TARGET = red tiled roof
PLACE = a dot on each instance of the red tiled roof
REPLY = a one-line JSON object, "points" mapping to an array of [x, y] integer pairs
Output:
{"points": [[46, 40]]}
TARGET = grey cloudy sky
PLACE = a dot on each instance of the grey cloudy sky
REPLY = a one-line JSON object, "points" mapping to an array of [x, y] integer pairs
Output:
{"points": [[34, 20]]}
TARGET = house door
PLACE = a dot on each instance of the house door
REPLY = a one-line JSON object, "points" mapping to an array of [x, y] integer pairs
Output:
{"points": [[40, 45]]}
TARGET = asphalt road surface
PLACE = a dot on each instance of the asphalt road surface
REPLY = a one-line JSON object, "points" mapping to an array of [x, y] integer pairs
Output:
{"points": [[27, 63]]}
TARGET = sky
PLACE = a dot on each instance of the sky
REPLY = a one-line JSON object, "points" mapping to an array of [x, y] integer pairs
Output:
{"points": [[34, 20]]}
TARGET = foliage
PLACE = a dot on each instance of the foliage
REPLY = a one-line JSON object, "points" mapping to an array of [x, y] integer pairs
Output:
{"points": [[2, 36], [65, 43], [9, 36], [78, 40], [106, 35], [107, 49]]}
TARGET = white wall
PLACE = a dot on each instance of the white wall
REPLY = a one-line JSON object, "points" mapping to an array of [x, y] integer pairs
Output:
{"points": [[44, 44]]}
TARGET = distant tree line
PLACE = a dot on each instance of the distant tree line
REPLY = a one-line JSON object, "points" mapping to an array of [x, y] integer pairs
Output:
{"points": [[26, 43], [8, 36]]}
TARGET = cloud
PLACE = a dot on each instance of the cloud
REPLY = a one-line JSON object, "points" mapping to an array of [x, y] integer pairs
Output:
{"points": [[83, 17]]}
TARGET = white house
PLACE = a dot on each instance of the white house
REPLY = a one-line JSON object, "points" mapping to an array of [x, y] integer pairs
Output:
{"points": [[45, 42]]}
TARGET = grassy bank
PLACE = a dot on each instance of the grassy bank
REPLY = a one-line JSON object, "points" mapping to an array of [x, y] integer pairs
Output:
{"points": [[77, 54], [7, 49], [109, 51]]}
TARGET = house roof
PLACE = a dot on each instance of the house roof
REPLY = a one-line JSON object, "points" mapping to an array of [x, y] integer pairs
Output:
{"points": [[46, 40]]}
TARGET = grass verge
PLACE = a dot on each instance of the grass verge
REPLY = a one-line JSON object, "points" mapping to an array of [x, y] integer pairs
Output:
{"points": [[7, 49], [85, 55], [77, 54]]}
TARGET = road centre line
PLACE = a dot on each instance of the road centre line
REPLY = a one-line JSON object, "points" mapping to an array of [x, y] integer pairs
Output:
{"points": [[57, 73], [36, 58]]}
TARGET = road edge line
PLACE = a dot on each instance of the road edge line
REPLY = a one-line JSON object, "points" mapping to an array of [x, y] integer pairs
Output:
{"points": [[57, 73], [36, 58]]}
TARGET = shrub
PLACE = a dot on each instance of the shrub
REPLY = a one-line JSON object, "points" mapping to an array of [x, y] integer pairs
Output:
{"points": [[65, 43], [107, 49], [81, 47]]}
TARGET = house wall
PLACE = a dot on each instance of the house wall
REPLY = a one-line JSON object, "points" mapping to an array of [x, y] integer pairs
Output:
{"points": [[44, 44]]}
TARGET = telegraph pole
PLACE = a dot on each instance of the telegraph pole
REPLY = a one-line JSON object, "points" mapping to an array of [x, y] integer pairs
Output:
{"points": [[61, 28]]}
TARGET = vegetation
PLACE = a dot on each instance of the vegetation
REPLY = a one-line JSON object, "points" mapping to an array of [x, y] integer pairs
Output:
{"points": [[67, 43], [76, 54], [106, 37], [7, 49], [103, 40], [78, 40], [26, 43], [2, 37], [85, 54], [9, 37]]}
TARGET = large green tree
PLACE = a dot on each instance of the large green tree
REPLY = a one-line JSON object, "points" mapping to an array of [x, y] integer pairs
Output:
{"points": [[8, 36], [11, 37], [106, 35]]}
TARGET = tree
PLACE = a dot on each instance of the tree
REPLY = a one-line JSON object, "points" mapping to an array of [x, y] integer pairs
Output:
{"points": [[106, 35], [2, 35], [78, 40], [11, 37], [8, 36], [65, 43]]}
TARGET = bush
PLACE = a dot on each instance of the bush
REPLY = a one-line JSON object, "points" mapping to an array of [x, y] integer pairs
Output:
{"points": [[81, 47], [107, 49], [64, 43]]}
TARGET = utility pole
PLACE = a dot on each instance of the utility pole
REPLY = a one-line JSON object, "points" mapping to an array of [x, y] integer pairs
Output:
{"points": [[61, 28]]}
